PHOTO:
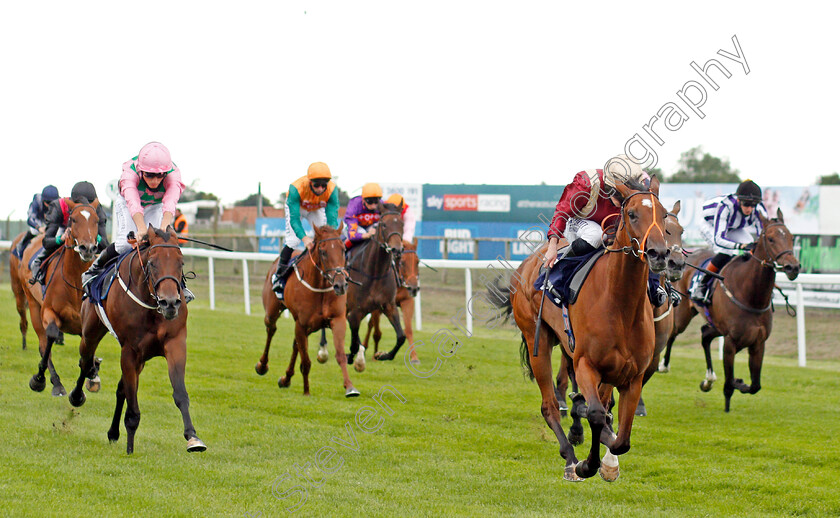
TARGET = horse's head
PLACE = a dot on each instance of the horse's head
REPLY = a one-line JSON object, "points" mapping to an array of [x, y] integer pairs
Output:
{"points": [[83, 223], [163, 269], [775, 246], [410, 267], [390, 229], [673, 239], [642, 221], [329, 252]]}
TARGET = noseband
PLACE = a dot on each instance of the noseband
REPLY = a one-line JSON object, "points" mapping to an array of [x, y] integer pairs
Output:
{"points": [[383, 242], [774, 263], [639, 249], [325, 273], [152, 286], [75, 246], [403, 281]]}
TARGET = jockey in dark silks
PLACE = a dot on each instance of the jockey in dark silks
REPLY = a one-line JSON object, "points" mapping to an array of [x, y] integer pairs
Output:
{"points": [[56, 222], [35, 216], [362, 214], [730, 224]]}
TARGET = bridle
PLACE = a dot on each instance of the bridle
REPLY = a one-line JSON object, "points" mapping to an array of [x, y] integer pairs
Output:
{"points": [[383, 241], [774, 263], [151, 284], [639, 249], [403, 281], [328, 274], [75, 245]]}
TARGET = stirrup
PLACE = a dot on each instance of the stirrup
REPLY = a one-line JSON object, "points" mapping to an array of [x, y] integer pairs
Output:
{"points": [[189, 296]]}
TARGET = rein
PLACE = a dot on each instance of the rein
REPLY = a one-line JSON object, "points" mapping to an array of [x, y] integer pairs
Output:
{"points": [[147, 277], [774, 264]]}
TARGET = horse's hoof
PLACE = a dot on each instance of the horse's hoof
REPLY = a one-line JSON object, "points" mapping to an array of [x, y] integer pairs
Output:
{"points": [[261, 368], [283, 382], [351, 392], [359, 363], [575, 438], [77, 400], [93, 385], [570, 475], [579, 470], [37, 383], [705, 385], [113, 436], [323, 355], [414, 361], [664, 368], [58, 391], [383, 357], [195, 444], [641, 411], [609, 473]]}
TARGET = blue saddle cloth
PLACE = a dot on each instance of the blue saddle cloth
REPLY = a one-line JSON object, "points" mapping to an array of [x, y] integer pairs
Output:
{"points": [[561, 275], [101, 285]]}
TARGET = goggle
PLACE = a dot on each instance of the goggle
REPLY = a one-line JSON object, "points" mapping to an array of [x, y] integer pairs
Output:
{"points": [[320, 184], [153, 175], [372, 201], [748, 203]]}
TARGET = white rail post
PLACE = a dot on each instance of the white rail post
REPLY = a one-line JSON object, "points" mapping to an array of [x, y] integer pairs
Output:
{"points": [[468, 305], [418, 313], [212, 283], [246, 287], [800, 324], [720, 348]]}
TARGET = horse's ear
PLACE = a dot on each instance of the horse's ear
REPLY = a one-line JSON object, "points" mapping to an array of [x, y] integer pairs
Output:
{"points": [[654, 184], [380, 207], [621, 191], [95, 203], [340, 226], [779, 216], [71, 204], [762, 219], [676, 210], [414, 241]]}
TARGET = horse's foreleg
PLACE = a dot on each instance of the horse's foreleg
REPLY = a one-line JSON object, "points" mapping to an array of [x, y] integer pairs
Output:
{"points": [[729, 383], [589, 381], [176, 360], [323, 354], [561, 385], [354, 320], [756, 359], [407, 307], [114, 431], [339, 330], [286, 380], [665, 365], [270, 328], [88, 367], [372, 321], [37, 382], [20, 305], [130, 364], [302, 342], [708, 333], [393, 315]]}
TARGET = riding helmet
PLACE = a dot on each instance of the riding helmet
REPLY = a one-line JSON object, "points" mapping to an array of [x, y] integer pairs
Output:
{"points": [[371, 190], [318, 170], [49, 194], [154, 158], [83, 192], [748, 190]]}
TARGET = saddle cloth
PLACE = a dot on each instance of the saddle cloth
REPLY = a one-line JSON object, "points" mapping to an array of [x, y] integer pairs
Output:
{"points": [[101, 285], [695, 280], [567, 276]]}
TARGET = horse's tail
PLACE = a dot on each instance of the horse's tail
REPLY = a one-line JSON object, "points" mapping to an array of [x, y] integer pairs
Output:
{"points": [[499, 296], [525, 359]]}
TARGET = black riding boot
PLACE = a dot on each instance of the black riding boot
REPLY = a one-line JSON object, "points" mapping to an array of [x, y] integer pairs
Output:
{"points": [[581, 247], [99, 265], [37, 274], [656, 293], [278, 280]]}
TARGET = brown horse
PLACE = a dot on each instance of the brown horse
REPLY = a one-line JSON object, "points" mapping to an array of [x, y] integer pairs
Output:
{"points": [[19, 288], [409, 287], [375, 264], [741, 306], [57, 310], [315, 296], [147, 314], [613, 323], [663, 319]]}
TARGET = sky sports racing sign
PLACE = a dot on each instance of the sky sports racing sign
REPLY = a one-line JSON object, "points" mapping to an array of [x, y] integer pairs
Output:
{"points": [[476, 202], [489, 203]]}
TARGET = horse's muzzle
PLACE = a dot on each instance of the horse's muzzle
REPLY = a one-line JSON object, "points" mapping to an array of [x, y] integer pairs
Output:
{"points": [[340, 287], [413, 290], [169, 307], [657, 258], [86, 252], [792, 271], [675, 267]]}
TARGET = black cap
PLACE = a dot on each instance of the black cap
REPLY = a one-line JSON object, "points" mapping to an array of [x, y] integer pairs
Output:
{"points": [[83, 192], [749, 190]]}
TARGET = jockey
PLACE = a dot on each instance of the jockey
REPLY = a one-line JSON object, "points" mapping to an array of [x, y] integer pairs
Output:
{"points": [[56, 220], [150, 186], [35, 216], [586, 203], [362, 214], [313, 197], [730, 224], [409, 220]]}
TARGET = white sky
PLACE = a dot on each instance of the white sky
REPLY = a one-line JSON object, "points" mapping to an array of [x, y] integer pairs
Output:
{"points": [[432, 91]]}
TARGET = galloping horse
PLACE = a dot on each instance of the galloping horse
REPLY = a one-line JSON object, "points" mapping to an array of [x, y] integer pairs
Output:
{"points": [[409, 287], [19, 288], [315, 296], [740, 309], [613, 323], [375, 263], [663, 318], [57, 310], [147, 314]]}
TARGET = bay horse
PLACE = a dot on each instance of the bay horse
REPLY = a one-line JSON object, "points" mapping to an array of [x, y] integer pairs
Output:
{"points": [[375, 264], [148, 316], [315, 296], [19, 288], [740, 309], [613, 323], [56, 309], [409, 287], [663, 319]]}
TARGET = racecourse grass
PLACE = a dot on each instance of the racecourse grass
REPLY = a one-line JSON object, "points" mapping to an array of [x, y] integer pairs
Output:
{"points": [[468, 441]]}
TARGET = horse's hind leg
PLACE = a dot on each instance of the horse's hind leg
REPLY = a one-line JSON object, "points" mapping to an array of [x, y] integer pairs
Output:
{"points": [[305, 363], [176, 360], [393, 315], [37, 382], [561, 385], [339, 330], [131, 367], [270, 328], [114, 431], [323, 353], [708, 333], [20, 305], [88, 366], [596, 414]]}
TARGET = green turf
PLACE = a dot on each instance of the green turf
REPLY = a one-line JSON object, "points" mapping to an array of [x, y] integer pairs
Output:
{"points": [[468, 441]]}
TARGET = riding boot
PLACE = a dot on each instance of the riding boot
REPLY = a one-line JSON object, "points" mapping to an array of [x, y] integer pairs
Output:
{"points": [[676, 298], [99, 265], [189, 296], [278, 280], [700, 293], [581, 247], [656, 293], [37, 274]]}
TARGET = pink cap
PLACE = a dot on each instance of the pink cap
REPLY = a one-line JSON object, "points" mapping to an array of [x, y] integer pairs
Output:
{"points": [[154, 158]]}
